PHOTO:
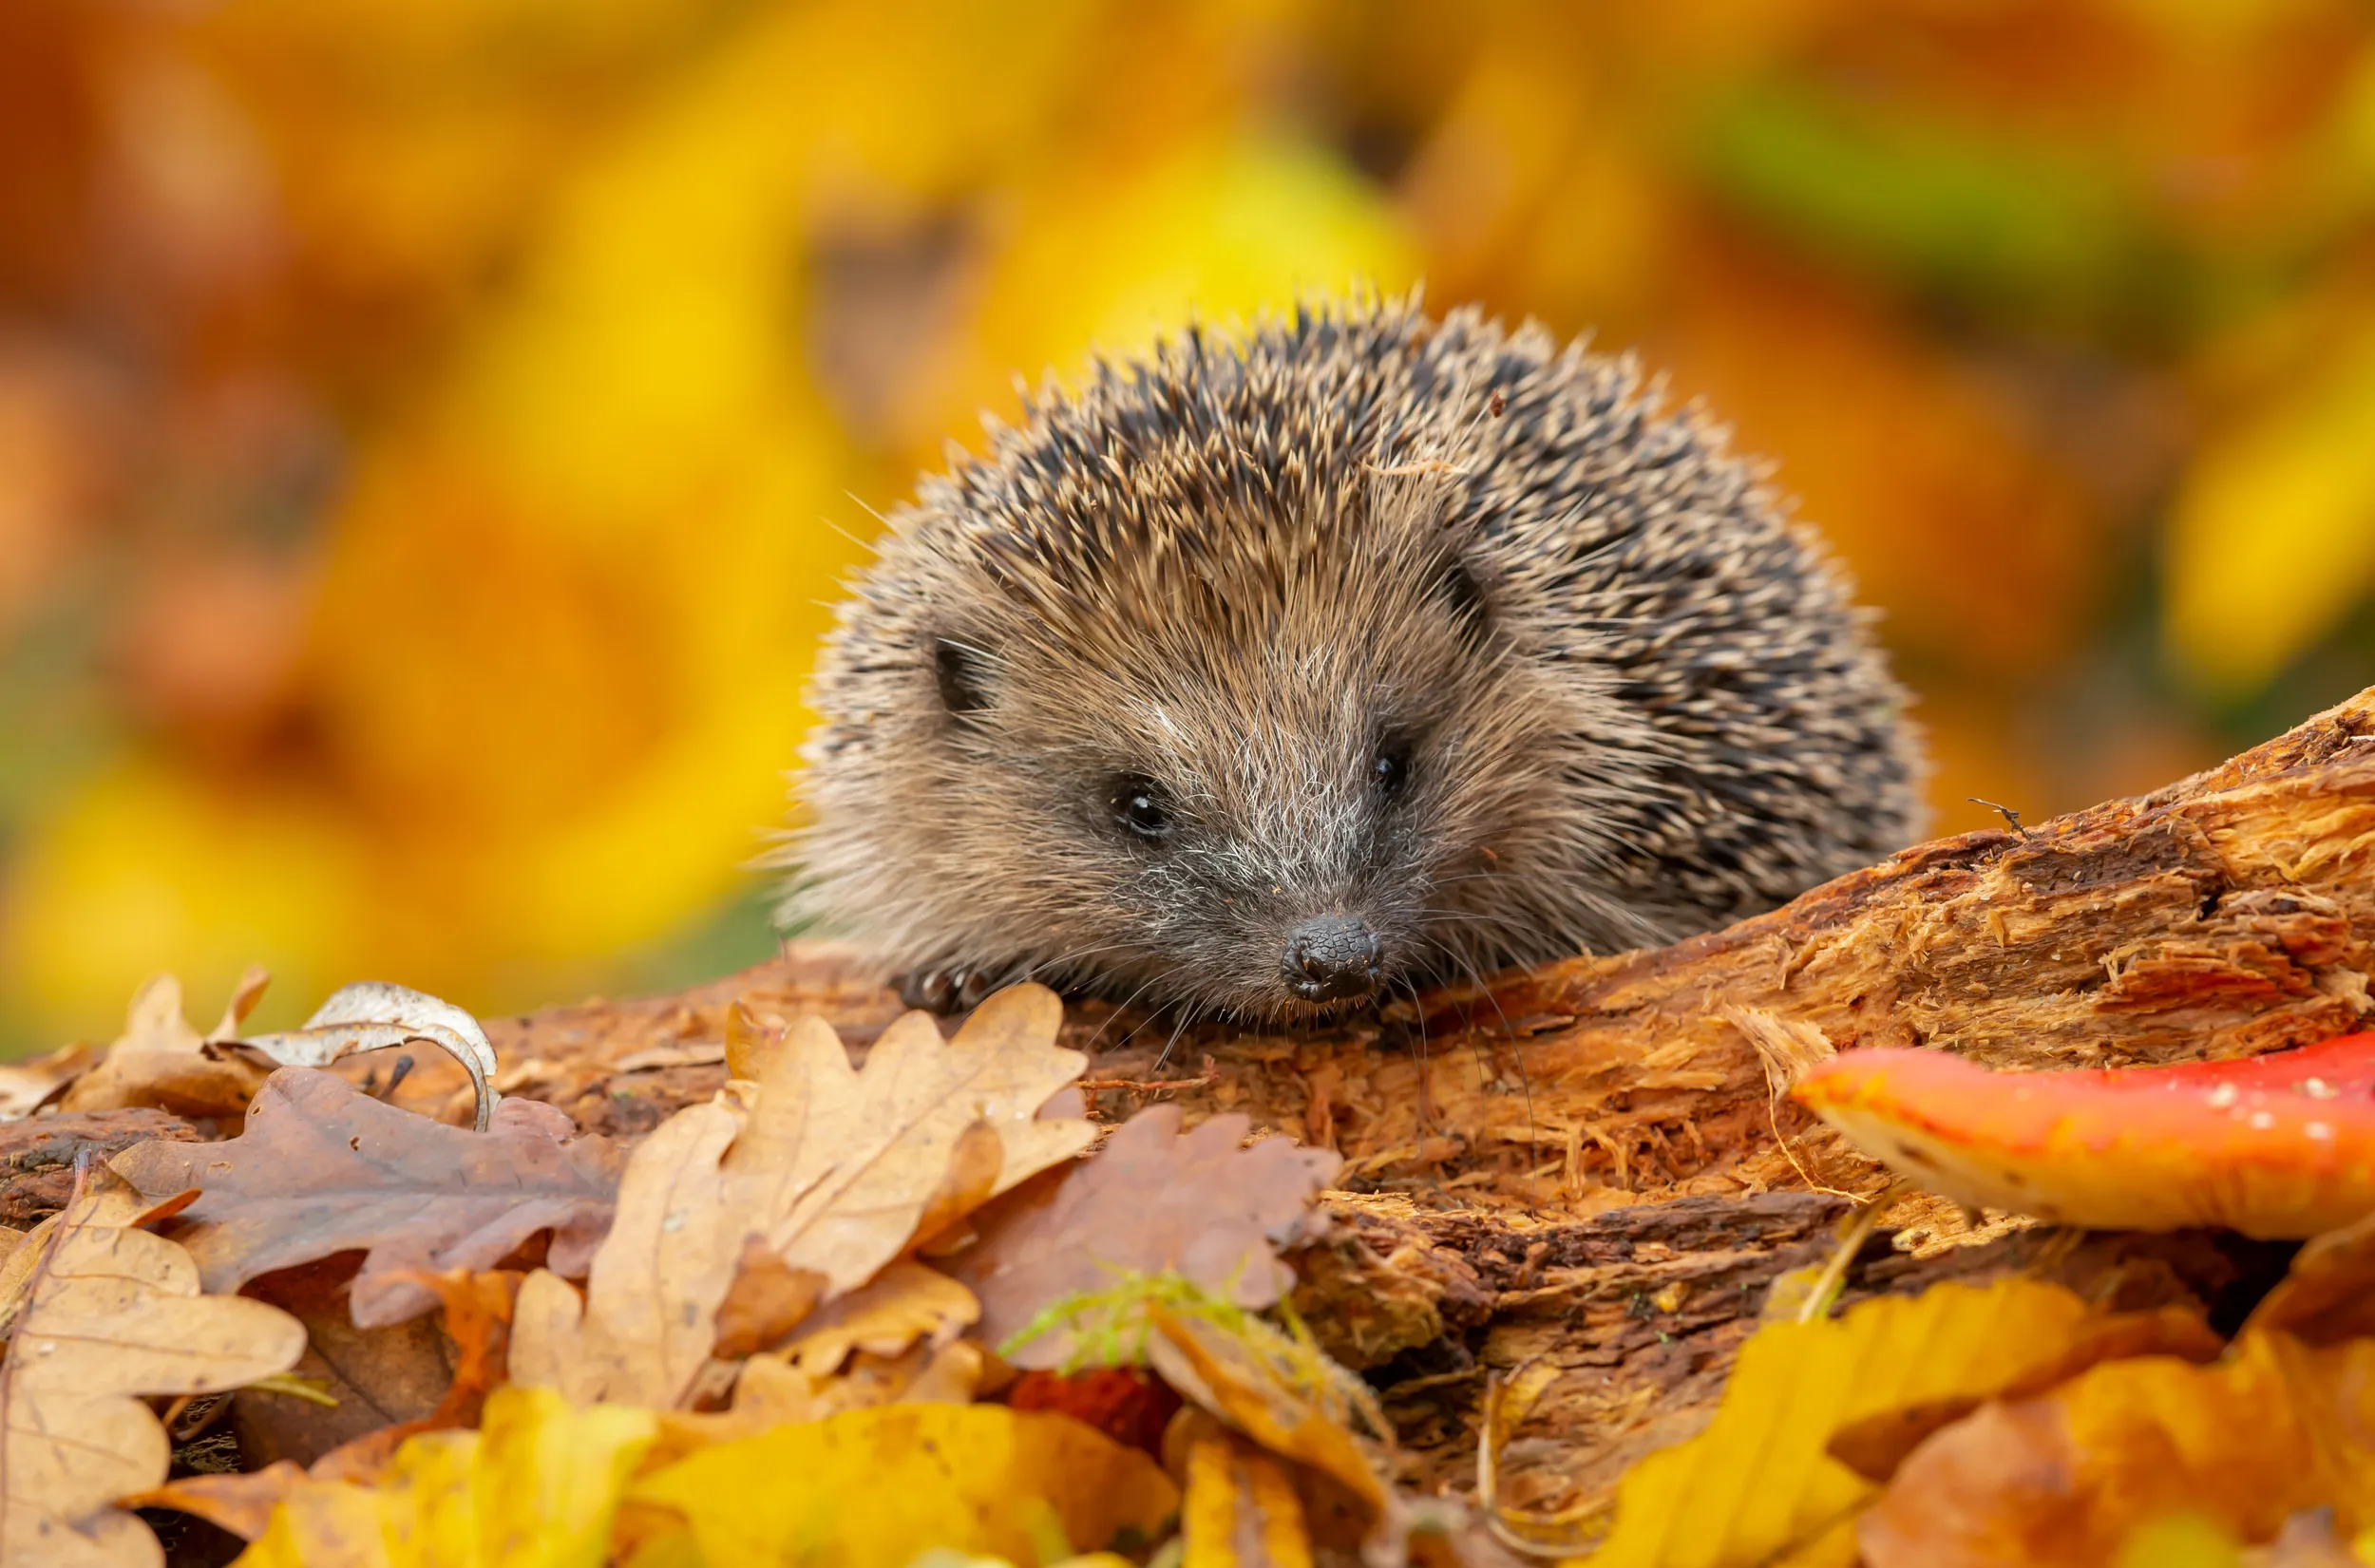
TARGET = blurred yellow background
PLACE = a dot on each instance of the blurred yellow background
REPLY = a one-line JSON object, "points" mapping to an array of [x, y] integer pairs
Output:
{"points": [[430, 429]]}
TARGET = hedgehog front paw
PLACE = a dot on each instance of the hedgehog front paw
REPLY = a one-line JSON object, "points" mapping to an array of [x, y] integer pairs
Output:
{"points": [[952, 988]]}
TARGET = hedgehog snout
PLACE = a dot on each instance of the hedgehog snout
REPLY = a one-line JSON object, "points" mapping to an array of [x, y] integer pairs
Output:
{"points": [[1332, 958]]}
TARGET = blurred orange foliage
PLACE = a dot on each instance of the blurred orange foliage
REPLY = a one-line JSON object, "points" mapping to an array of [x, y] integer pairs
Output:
{"points": [[429, 428]]}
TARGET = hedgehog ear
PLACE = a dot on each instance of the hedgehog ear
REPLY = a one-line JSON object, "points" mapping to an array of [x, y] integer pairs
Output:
{"points": [[1458, 587], [959, 672]]}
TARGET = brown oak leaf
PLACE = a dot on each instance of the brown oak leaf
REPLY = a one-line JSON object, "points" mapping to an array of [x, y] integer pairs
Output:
{"points": [[1201, 1205], [834, 1169], [323, 1169], [104, 1314], [160, 1062]]}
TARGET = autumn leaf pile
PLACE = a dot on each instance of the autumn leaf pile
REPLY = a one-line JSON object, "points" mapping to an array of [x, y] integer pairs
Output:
{"points": [[870, 1310], [840, 1313]]}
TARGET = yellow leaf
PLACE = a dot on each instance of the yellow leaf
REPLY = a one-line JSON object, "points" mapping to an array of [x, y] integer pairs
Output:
{"points": [[537, 1486], [881, 1485], [106, 1312], [2069, 1478], [1240, 1510], [1253, 1385], [1758, 1481]]}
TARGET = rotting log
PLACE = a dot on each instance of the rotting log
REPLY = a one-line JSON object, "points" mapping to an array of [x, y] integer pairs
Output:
{"points": [[1587, 1164]]}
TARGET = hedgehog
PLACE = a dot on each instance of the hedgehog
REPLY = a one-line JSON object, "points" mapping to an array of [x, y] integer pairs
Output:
{"points": [[1349, 652]]}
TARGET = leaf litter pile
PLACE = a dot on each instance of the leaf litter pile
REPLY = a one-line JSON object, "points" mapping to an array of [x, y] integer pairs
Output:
{"points": [[771, 1274]]}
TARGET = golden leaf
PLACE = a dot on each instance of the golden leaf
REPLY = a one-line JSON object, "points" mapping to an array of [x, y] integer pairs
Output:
{"points": [[904, 1303], [2067, 1477], [1758, 1481], [105, 1312], [537, 1486], [880, 1486], [1240, 1510]]}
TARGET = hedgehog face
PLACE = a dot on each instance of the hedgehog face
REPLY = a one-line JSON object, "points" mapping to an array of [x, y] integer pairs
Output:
{"points": [[1237, 806]]}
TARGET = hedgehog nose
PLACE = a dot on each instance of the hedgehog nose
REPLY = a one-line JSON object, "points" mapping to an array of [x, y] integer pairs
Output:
{"points": [[1332, 957]]}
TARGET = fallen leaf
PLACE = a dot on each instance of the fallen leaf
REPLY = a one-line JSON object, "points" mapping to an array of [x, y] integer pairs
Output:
{"points": [[28, 1085], [478, 1309], [833, 1168], [1287, 1397], [2064, 1478], [1240, 1510], [881, 1485], [536, 1487], [772, 1392], [2328, 1293], [108, 1312], [240, 1503], [2272, 1146], [162, 1063], [1757, 1480], [1123, 1402], [648, 1320], [749, 1039], [373, 1016], [766, 1300], [1874, 1446], [844, 1164], [1201, 1205], [322, 1167], [378, 1376], [907, 1302]]}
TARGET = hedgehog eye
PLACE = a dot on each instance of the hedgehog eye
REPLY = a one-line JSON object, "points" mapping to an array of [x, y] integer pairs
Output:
{"points": [[1389, 770], [1139, 805], [957, 671]]}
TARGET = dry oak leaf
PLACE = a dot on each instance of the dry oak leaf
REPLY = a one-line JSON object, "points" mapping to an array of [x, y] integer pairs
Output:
{"points": [[322, 1167], [907, 1302], [883, 1486], [847, 1164], [649, 1316], [28, 1085], [833, 1169], [2065, 1478], [1203, 1206], [1283, 1395], [108, 1312], [162, 1063], [2276, 1146]]}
